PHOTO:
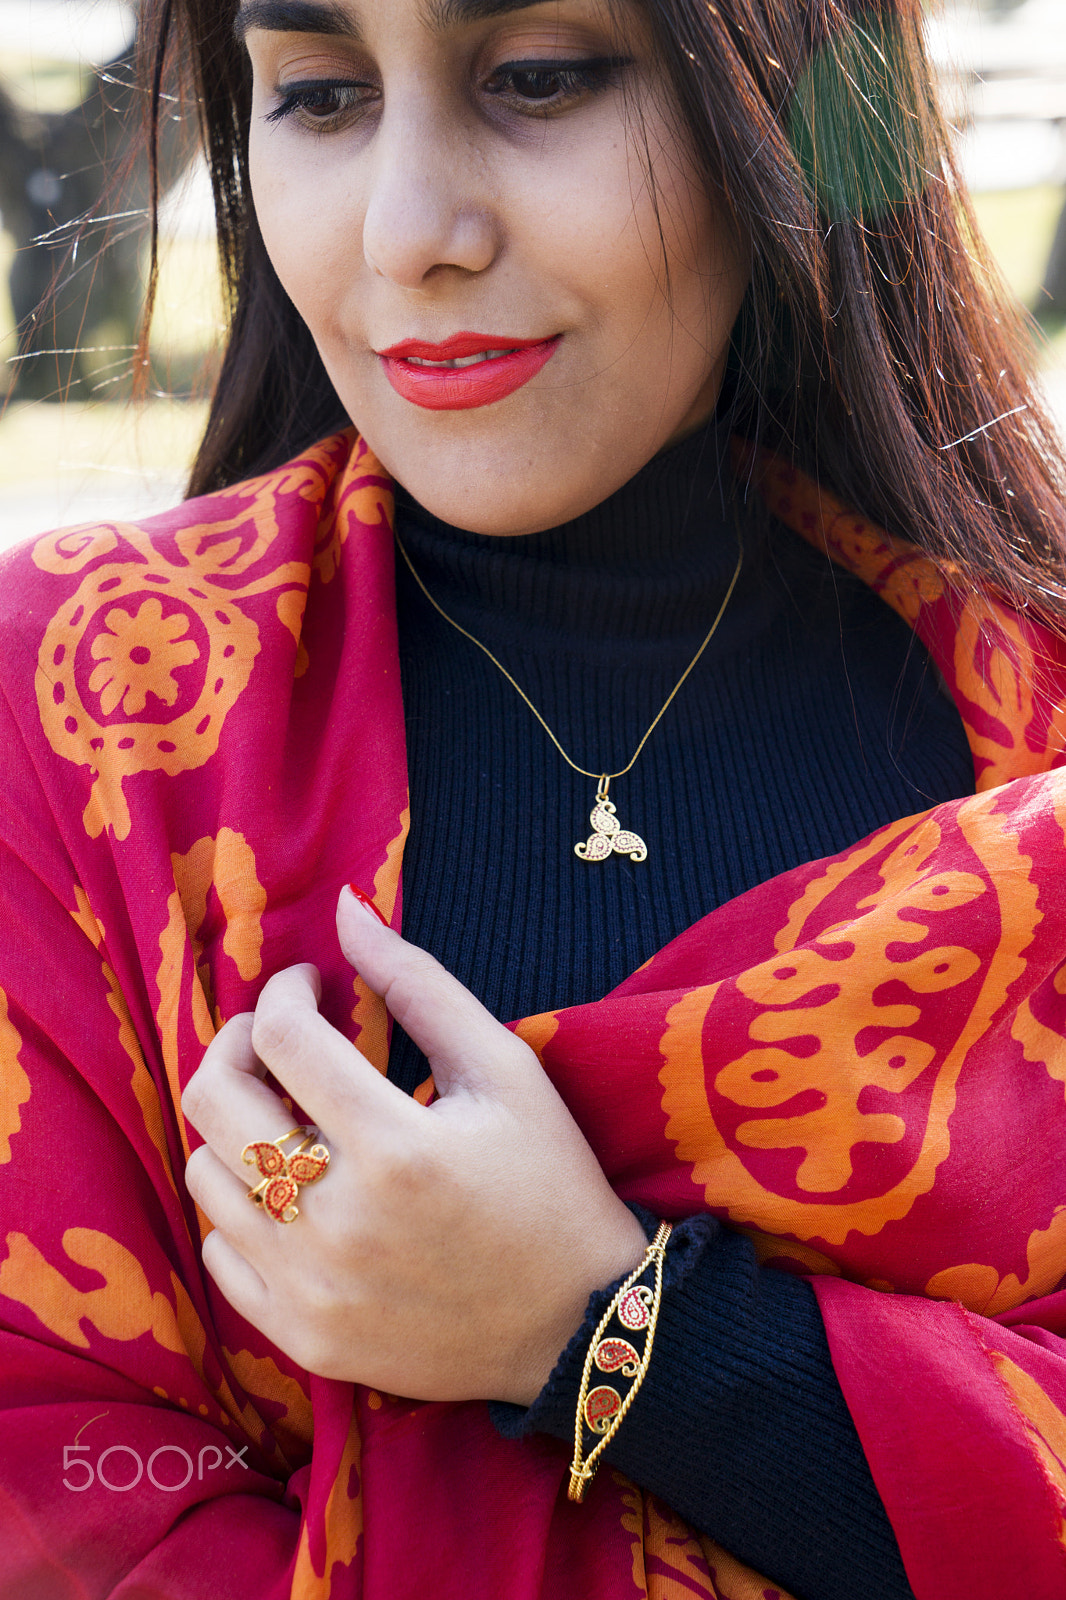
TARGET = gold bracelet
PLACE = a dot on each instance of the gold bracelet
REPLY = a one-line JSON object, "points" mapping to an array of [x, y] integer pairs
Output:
{"points": [[602, 1412]]}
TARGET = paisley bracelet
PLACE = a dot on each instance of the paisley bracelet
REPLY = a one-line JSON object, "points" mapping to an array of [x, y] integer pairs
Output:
{"points": [[602, 1410]]}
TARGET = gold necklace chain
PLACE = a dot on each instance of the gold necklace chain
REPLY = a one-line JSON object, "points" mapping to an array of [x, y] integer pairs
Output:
{"points": [[609, 836]]}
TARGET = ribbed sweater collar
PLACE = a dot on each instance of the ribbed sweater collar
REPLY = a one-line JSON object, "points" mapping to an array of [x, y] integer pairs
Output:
{"points": [[650, 562]]}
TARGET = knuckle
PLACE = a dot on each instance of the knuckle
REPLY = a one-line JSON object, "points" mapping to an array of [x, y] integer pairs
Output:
{"points": [[317, 1302], [204, 1089], [275, 1031], [197, 1172], [418, 974], [196, 1096], [399, 1165]]}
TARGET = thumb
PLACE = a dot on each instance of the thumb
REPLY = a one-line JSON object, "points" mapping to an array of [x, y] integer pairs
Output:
{"points": [[464, 1043]]}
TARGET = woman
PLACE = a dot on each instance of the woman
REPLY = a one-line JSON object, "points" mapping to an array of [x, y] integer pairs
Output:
{"points": [[569, 268]]}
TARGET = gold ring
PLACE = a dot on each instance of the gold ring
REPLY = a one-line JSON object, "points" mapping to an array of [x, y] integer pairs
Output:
{"points": [[281, 1175]]}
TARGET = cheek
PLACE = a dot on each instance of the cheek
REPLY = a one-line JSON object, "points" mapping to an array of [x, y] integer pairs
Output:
{"points": [[699, 242], [670, 258], [305, 233]]}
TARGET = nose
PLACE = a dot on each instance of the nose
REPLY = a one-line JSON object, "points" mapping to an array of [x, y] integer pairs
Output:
{"points": [[428, 207]]}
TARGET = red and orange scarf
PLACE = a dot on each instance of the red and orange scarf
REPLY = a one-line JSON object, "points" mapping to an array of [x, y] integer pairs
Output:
{"points": [[860, 1063]]}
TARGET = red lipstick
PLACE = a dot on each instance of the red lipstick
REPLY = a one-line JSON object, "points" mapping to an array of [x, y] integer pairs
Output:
{"points": [[502, 365]]}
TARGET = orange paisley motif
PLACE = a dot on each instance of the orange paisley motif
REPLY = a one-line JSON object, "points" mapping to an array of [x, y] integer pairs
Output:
{"points": [[836, 1117]]}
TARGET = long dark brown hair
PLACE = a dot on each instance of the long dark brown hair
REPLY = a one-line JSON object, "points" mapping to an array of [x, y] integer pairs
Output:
{"points": [[877, 347]]}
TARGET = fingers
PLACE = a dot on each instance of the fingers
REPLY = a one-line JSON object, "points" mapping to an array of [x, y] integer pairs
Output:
{"points": [[322, 1071], [227, 1101], [462, 1040], [236, 1277]]}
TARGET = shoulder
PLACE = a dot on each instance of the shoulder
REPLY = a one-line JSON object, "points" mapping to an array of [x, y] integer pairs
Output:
{"points": [[209, 557], [218, 537], [125, 647]]}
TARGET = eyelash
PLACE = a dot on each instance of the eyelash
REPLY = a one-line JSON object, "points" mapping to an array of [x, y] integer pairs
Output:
{"points": [[575, 78], [308, 103]]}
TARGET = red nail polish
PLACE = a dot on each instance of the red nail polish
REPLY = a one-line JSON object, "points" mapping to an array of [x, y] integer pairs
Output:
{"points": [[364, 899]]}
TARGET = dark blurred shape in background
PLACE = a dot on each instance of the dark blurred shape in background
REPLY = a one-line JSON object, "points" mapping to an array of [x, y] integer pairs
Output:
{"points": [[74, 194]]}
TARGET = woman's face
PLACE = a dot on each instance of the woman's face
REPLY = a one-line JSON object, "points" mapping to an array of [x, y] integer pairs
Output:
{"points": [[514, 174]]}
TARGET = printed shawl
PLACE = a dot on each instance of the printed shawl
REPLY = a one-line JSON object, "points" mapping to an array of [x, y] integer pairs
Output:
{"points": [[861, 1063]]}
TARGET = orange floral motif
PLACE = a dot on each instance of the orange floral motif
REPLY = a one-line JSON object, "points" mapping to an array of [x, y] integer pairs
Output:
{"points": [[668, 1558], [1041, 1037], [368, 1013], [900, 573], [203, 574], [226, 863], [770, 1075], [124, 1308], [262, 1379], [360, 499], [343, 1524], [141, 1081], [994, 658], [138, 656]]}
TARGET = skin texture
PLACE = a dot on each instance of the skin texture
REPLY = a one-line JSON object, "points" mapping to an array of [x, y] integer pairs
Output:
{"points": [[442, 201], [395, 1258], [431, 193]]}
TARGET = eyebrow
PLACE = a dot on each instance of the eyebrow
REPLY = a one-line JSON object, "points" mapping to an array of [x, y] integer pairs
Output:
{"points": [[324, 16], [293, 16], [453, 13]]}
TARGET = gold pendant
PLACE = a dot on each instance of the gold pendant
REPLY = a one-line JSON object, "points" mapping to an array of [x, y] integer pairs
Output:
{"points": [[609, 836]]}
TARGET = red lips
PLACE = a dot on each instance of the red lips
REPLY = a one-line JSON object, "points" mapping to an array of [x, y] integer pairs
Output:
{"points": [[509, 364]]}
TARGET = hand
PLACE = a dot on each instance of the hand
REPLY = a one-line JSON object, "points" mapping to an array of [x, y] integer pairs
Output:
{"points": [[449, 1251]]}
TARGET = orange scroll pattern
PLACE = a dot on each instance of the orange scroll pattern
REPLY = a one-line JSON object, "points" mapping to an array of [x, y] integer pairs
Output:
{"points": [[801, 1061]]}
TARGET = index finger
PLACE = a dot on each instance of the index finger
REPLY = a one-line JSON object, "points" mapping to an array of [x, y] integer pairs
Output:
{"points": [[316, 1064], [227, 1101]]}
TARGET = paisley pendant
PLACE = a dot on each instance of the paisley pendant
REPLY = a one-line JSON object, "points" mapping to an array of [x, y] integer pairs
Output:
{"points": [[601, 1405], [617, 1355], [609, 837], [632, 1310]]}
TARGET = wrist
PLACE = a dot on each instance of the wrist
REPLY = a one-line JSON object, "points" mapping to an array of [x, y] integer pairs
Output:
{"points": [[607, 1253]]}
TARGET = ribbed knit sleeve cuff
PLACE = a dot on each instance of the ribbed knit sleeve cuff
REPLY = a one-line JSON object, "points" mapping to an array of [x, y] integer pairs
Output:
{"points": [[740, 1424], [554, 1409]]}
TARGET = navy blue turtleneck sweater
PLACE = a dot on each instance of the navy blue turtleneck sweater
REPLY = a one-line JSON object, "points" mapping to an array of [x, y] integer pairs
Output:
{"points": [[812, 718]]}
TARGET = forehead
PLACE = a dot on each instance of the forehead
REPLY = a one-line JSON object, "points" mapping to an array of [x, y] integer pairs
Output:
{"points": [[333, 17]]}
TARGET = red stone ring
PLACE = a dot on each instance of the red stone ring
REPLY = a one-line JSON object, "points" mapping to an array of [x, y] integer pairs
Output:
{"points": [[281, 1175]]}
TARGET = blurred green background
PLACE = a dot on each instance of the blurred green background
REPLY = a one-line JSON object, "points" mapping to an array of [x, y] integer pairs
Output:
{"points": [[88, 451]]}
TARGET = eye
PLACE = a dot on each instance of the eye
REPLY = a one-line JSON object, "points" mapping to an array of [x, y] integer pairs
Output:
{"points": [[543, 85], [322, 105]]}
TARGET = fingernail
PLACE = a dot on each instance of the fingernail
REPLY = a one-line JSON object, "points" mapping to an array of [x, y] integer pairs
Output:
{"points": [[365, 900]]}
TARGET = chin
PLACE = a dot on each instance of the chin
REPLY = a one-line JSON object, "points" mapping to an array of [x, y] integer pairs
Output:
{"points": [[495, 518], [487, 495]]}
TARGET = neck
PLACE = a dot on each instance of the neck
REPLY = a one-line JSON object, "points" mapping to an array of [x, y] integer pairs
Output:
{"points": [[650, 562]]}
